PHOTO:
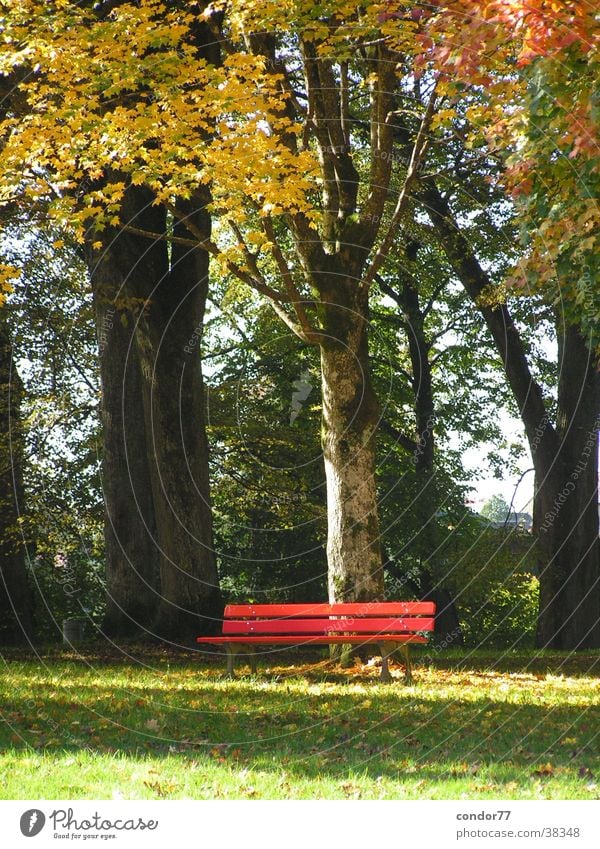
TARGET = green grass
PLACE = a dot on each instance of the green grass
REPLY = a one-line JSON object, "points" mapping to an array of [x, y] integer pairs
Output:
{"points": [[160, 725]]}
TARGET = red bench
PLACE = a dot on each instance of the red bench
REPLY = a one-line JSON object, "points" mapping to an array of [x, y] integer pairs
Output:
{"points": [[389, 625]]}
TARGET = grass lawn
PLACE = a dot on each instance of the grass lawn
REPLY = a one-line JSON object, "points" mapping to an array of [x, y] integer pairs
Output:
{"points": [[157, 724]]}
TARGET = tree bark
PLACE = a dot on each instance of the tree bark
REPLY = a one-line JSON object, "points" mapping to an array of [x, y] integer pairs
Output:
{"points": [[150, 301], [566, 507], [565, 456], [172, 300], [129, 528], [350, 420], [15, 596]]}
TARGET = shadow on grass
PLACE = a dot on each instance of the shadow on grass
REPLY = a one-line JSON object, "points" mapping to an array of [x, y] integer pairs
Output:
{"points": [[316, 724]]}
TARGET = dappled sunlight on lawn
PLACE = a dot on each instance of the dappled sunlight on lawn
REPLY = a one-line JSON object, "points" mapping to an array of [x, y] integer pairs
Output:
{"points": [[302, 730]]}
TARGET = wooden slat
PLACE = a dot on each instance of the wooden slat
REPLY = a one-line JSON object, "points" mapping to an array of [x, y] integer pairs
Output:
{"points": [[365, 608], [300, 640], [325, 625]]}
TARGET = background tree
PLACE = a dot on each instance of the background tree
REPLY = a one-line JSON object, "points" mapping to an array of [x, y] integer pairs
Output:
{"points": [[495, 509], [542, 119], [266, 463], [565, 456], [49, 314], [15, 593], [158, 295], [565, 453], [155, 466]]}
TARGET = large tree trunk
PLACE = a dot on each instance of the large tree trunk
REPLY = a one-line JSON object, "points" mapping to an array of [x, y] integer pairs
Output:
{"points": [[15, 596], [168, 333], [159, 521], [350, 419], [566, 507], [565, 456], [129, 528]]}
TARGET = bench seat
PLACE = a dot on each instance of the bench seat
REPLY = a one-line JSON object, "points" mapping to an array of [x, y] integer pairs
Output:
{"points": [[388, 624]]}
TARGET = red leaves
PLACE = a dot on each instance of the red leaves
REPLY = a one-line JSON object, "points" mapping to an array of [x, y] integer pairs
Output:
{"points": [[468, 33]]}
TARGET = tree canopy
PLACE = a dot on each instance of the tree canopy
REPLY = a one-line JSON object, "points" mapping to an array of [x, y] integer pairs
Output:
{"points": [[348, 164]]}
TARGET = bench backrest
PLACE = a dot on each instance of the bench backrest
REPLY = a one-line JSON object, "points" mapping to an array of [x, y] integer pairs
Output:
{"points": [[389, 617]]}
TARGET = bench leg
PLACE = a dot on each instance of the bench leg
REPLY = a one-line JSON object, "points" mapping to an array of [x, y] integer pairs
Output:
{"points": [[387, 649], [231, 653], [346, 655], [341, 653], [408, 679], [252, 659], [234, 649]]}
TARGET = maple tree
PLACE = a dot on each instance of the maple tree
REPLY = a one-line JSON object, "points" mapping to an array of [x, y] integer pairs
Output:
{"points": [[148, 304], [160, 116], [541, 116], [534, 108]]}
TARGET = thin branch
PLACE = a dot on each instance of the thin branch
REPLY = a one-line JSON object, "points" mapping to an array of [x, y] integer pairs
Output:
{"points": [[165, 237], [79, 369], [202, 241], [231, 321], [418, 152], [289, 322], [390, 318], [389, 291], [436, 292], [249, 256], [256, 282], [344, 103], [221, 353], [514, 495], [332, 116], [443, 331], [308, 242], [400, 438], [443, 353], [275, 297], [311, 335], [316, 113], [397, 368], [303, 329]]}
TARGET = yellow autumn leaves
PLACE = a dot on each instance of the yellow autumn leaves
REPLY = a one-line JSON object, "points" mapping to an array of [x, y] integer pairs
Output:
{"points": [[130, 96]]}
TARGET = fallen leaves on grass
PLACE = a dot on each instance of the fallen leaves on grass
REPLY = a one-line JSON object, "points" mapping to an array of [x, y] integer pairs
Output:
{"points": [[544, 770], [163, 789], [351, 790], [465, 768]]}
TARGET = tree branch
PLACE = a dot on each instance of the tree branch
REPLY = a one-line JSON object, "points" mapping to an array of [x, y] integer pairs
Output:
{"points": [[331, 199], [381, 142], [258, 284], [418, 152], [400, 438], [507, 339], [346, 175], [431, 301], [310, 334], [165, 237]]}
